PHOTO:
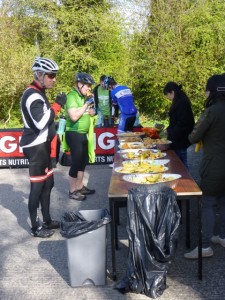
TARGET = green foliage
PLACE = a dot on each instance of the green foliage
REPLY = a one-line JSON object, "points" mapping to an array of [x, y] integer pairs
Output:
{"points": [[79, 36], [15, 64], [145, 121], [184, 42], [87, 43]]}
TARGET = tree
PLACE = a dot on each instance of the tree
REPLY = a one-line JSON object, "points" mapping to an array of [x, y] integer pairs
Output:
{"points": [[78, 36], [183, 42], [15, 64]]}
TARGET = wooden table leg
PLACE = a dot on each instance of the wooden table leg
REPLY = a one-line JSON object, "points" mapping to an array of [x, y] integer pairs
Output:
{"points": [[188, 244], [200, 238], [113, 224], [116, 216]]}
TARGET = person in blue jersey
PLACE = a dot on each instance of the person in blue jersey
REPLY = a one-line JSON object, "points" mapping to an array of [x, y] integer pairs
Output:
{"points": [[122, 97], [39, 130]]}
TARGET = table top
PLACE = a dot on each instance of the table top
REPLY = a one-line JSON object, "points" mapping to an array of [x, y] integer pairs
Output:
{"points": [[186, 186]]}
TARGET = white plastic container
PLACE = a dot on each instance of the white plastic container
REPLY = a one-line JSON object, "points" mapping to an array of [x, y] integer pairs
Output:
{"points": [[87, 254]]}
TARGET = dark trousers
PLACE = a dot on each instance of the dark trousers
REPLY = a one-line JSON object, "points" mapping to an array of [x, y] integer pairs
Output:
{"points": [[41, 181]]}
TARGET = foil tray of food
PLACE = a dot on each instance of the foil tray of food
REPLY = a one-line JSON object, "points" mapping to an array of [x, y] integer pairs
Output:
{"points": [[142, 154], [156, 181], [143, 166]]}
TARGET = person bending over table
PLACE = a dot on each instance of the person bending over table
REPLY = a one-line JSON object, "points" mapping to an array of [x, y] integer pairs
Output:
{"points": [[181, 120], [123, 98]]}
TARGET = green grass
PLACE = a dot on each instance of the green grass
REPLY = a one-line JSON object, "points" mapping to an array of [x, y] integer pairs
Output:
{"points": [[145, 121], [148, 122]]}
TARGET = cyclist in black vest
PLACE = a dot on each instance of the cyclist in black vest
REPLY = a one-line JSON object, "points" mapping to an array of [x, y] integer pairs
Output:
{"points": [[39, 130]]}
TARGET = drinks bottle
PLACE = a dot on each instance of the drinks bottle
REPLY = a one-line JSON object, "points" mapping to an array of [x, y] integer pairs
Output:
{"points": [[62, 124]]}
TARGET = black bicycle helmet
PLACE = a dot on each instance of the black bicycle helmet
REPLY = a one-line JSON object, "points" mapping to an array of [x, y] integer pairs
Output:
{"points": [[84, 78], [216, 86], [216, 83], [109, 80], [45, 65]]}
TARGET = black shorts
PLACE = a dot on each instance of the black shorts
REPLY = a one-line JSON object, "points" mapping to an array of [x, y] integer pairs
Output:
{"points": [[78, 144], [39, 160]]}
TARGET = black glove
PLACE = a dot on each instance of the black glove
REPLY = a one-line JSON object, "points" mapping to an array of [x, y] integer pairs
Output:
{"points": [[90, 101], [61, 99]]}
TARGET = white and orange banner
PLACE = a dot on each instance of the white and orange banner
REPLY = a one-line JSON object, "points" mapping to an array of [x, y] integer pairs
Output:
{"points": [[11, 154]]}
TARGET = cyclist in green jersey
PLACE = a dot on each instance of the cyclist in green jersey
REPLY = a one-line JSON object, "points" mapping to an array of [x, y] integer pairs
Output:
{"points": [[103, 101], [79, 110]]}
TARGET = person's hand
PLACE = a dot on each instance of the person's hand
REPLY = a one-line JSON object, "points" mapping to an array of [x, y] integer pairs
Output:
{"points": [[90, 101], [61, 99]]}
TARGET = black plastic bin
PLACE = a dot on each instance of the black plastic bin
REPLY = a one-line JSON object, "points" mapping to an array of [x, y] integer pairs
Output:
{"points": [[153, 229], [85, 231]]}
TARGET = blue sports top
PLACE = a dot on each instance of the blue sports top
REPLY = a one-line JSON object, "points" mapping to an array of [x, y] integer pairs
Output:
{"points": [[122, 96]]}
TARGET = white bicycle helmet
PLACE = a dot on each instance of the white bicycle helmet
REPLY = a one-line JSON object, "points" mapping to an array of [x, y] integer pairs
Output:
{"points": [[45, 65]]}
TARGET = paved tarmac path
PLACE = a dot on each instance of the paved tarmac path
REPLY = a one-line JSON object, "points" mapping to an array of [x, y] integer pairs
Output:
{"points": [[33, 268]]}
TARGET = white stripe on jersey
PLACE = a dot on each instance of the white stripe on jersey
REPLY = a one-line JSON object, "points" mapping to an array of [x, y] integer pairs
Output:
{"points": [[42, 123], [123, 93], [41, 138]]}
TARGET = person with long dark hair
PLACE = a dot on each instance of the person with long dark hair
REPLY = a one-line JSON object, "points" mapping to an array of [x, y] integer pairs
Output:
{"points": [[210, 130], [181, 120]]}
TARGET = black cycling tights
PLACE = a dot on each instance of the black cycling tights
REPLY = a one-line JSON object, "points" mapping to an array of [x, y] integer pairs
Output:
{"points": [[78, 144], [41, 178], [40, 193]]}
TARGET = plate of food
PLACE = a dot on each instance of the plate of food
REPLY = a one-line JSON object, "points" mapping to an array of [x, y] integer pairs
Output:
{"points": [[147, 167], [162, 144], [130, 134], [146, 161], [157, 180], [149, 142], [143, 154], [133, 145], [122, 151], [130, 139]]}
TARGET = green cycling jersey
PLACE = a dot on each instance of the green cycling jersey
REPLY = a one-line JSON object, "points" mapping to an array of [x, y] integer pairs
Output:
{"points": [[75, 100]]}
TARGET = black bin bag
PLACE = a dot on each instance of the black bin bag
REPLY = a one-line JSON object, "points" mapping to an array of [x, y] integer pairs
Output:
{"points": [[73, 223], [153, 228]]}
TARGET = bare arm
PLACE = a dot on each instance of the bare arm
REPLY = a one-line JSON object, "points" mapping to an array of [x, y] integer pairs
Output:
{"points": [[76, 113]]}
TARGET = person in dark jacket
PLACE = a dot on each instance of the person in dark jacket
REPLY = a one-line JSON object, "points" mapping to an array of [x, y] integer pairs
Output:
{"points": [[39, 130], [181, 120], [210, 131]]}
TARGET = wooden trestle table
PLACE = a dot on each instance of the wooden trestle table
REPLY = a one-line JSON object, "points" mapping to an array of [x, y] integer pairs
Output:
{"points": [[186, 190]]}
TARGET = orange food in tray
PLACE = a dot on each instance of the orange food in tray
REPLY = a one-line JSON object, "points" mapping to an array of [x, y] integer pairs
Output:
{"points": [[152, 132]]}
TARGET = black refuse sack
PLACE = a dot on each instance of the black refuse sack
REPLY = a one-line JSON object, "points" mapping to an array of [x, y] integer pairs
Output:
{"points": [[153, 228], [74, 224]]}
